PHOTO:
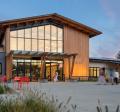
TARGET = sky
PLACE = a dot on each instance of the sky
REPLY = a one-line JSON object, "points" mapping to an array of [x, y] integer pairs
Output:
{"points": [[102, 15]]}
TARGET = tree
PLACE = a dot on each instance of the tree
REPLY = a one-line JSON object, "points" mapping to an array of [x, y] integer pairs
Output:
{"points": [[118, 55]]}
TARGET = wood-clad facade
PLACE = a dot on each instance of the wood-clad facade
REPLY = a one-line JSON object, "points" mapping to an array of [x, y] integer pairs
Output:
{"points": [[78, 42], [73, 55]]}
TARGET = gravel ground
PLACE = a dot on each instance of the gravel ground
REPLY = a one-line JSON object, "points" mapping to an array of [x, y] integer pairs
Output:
{"points": [[84, 94]]}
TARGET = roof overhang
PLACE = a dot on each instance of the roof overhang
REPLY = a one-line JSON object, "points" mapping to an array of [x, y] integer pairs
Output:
{"points": [[61, 19], [105, 60], [39, 55]]}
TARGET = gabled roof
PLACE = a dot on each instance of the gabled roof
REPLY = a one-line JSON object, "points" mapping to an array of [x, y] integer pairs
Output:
{"points": [[64, 20]]}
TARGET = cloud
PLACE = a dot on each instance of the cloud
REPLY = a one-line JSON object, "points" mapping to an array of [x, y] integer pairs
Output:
{"points": [[111, 8], [109, 44]]}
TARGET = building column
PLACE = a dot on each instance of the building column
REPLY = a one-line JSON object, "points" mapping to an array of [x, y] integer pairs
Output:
{"points": [[69, 66], [9, 66], [43, 68], [72, 66]]}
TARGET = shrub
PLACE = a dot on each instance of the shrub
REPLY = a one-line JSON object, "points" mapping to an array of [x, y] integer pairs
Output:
{"points": [[31, 101], [105, 109], [5, 89], [26, 105], [1, 89]]}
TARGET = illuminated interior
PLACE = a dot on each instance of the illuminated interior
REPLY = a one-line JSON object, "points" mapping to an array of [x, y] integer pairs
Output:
{"points": [[47, 38], [32, 69], [94, 71]]}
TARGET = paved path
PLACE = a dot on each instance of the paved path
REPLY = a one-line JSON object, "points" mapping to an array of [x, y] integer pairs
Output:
{"points": [[84, 94]]}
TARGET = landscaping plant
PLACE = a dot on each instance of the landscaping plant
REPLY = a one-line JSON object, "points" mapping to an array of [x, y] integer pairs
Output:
{"points": [[106, 109], [35, 101]]}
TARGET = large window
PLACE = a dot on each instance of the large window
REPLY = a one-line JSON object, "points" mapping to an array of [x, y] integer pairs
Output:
{"points": [[94, 71], [28, 33], [47, 32], [27, 44], [48, 38], [54, 46], [41, 45], [34, 32], [34, 44], [41, 32], [54, 33], [21, 33], [32, 69], [13, 43], [20, 43]]}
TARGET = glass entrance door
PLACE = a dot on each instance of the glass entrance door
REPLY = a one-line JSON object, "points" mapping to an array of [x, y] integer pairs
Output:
{"points": [[47, 74], [54, 69], [50, 70]]}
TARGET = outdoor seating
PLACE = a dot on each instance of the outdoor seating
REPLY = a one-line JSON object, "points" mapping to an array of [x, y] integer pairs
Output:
{"points": [[3, 79], [20, 81], [16, 79], [24, 80]]}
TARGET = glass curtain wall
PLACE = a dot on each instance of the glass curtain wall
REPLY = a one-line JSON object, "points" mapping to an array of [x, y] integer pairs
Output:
{"points": [[47, 38], [32, 69], [29, 68]]}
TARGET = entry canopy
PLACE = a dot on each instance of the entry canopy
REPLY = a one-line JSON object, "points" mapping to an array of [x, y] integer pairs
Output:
{"points": [[38, 54]]}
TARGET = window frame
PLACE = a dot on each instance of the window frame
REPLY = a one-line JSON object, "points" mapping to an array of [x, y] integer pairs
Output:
{"points": [[57, 28]]}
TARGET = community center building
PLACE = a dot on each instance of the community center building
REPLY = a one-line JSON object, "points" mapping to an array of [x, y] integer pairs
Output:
{"points": [[39, 46]]}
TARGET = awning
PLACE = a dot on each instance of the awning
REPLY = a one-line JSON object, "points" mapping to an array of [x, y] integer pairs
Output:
{"points": [[38, 54]]}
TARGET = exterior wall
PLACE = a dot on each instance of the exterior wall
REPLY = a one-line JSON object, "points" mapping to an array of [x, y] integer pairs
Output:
{"points": [[114, 66], [76, 42], [2, 61], [107, 66], [94, 68], [95, 64]]}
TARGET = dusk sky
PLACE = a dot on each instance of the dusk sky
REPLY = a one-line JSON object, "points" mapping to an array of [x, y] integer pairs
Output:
{"points": [[103, 15]]}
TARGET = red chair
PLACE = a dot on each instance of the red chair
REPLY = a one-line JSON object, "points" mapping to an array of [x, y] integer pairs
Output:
{"points": [[3, 79], [24, 80], [17, 79], [21, 81]]}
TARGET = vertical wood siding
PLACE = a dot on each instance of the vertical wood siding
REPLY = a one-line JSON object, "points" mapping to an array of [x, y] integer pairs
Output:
{"points": [[76, 42]]}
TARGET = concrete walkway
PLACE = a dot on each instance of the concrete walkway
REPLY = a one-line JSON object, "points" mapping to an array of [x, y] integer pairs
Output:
{"points": [[84, 94]]}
